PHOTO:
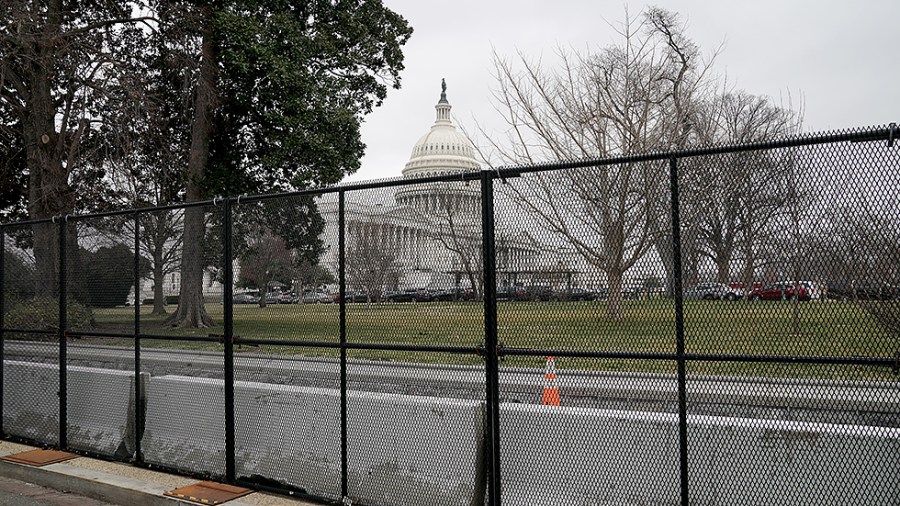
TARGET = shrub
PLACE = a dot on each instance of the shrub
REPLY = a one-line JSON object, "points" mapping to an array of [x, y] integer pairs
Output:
{"points": [[42, 313]]}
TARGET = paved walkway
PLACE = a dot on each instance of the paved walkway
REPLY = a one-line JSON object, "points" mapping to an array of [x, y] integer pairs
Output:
{"points": [[79, 479], [20, 493]]}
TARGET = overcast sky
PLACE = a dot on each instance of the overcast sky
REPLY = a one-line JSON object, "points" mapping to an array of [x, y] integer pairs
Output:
{"points": [[838, 57]]}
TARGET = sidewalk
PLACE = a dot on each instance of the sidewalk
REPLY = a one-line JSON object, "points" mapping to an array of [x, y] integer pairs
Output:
{"points": [[20, 493], [117, 483]]}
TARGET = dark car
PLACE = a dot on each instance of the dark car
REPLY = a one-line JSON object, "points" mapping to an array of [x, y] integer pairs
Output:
{"points": [[861, 290], [456, 294], [712, 291], [538, 293], [780, 291], [353, 297], [511, 293], [574, 294], [410, 296]]}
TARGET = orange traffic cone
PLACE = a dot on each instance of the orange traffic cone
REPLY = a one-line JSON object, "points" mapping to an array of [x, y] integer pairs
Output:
{"points": [[551, 391]]}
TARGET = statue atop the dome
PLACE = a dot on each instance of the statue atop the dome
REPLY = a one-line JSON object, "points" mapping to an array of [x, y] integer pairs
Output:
{"points": [[443, 90]]}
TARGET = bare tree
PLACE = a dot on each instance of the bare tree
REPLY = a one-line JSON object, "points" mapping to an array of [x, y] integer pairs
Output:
{"points": [[266, 260], [628, 98], [371, 259], [311, 275], [457, 228], [734, 199]]}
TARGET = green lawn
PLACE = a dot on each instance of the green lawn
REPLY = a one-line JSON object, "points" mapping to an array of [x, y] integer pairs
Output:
{"points": [[721, 327]]}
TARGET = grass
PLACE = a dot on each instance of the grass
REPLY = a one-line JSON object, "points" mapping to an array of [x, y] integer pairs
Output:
{"points": [[715, 327]]}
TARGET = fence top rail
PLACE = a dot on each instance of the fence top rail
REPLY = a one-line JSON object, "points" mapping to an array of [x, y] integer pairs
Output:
{"points": [[888, 133], [885, 133]]}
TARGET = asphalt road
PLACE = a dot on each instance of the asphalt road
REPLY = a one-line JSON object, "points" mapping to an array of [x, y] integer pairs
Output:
{"points": [[20, 493]]}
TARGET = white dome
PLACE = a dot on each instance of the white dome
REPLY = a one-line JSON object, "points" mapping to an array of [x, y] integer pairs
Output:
{"points": [[443, 149]]}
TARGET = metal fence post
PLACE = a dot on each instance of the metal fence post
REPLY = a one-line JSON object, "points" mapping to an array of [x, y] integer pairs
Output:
{"points": [[2, 320], [679, 331], [491, 346], [61, 331], [229, 342], [342, 296], [138, 406]]}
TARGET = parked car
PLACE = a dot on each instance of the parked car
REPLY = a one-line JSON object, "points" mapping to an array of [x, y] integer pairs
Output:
{"points": [[512, 293], [574, 294], [316, 297], [812, 288], [538, 293], [412, 295], [454, 294], [354, 297], [861, 290], [245, 298], [712, 291], [287, 298], [779, 291]]}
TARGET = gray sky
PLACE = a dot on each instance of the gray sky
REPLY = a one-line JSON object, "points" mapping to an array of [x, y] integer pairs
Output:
{"points": [[837, 57]]}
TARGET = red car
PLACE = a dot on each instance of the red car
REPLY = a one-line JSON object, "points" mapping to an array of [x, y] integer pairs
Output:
{"points": [[780, 291]]}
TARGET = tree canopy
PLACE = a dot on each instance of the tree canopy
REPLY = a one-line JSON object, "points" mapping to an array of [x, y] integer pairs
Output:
{"points": [[111, 104]]}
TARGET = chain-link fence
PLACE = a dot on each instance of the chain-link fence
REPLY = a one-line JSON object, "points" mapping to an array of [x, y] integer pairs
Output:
{"points": [[714, 326]]}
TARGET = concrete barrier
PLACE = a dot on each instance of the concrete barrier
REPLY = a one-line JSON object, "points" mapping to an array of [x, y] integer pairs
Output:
{"points": [[30, 400], [184, 427], [100, 408], [577, 456], [401, 449]]}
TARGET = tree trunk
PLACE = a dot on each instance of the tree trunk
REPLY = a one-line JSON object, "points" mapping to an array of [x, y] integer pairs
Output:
{"points": [[614, 299], [747, 275], [49, 193], [723, 267], [191, 311], [159, 280]]}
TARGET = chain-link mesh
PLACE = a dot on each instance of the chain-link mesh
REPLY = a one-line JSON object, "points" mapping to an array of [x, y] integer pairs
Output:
{"points": [[185, 398], [414, 270], [748, 358], [415, 432], [181, 290], [792, 252], [829, 440], [31, 406], [589, 435], [285, 269], [288, 420], [414, 265], [99, 355]]}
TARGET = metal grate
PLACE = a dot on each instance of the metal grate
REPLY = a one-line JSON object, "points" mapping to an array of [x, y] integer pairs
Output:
{"points": [[39, 458], [208, 492]]}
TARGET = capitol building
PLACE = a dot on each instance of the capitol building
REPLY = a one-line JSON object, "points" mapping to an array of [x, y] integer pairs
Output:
{"points": [[428, 236]]}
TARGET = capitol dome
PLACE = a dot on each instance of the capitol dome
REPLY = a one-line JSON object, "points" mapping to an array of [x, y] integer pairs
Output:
{"points": [[442, 150]]}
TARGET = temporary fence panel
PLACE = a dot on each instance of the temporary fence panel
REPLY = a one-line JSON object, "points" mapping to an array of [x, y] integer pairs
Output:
{"points": [[31, 336], [185, 422], [713, 325]]}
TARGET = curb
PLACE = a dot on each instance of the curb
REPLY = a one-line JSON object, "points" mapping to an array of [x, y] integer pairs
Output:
{"points": [[89, 483], [98, 485]]}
